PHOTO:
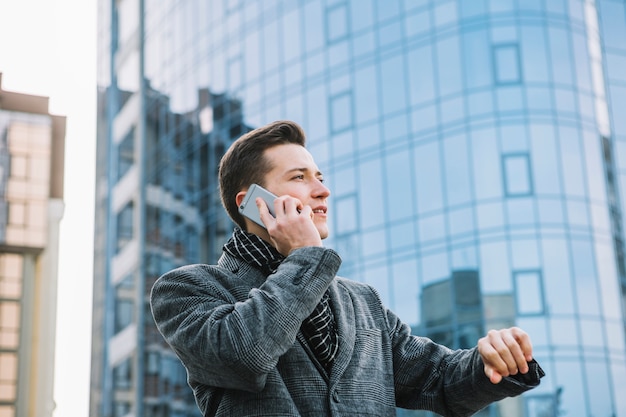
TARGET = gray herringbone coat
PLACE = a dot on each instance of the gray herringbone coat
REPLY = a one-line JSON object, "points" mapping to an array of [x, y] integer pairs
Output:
{"points": [[237, 333]]}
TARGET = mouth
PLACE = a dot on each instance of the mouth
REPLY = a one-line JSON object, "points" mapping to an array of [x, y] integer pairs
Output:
{"points": [[320, 210]]}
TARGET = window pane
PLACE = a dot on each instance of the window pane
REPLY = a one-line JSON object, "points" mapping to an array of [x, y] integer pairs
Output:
{"points": [[393, 84], [291, 35], [599, 391], [529, 295], [449, 66], [361, 14], [428, 177], [371, 198], [461, 221], [495, 268], [402, 235], [485, 164], [346, 214], [341, 112], [545, 159], [585, 276], [406, 291], [337, 23], [366, 95], [421, 79], [613, 28], [398, 179], [477, 68], [432, 227], [389, 34], [313, 25], [517, 175], [572, 161], [534, 54], [457, 174], [506, 62]]}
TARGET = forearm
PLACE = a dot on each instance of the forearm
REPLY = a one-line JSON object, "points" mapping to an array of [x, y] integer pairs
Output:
{"points": [[448, 382]]}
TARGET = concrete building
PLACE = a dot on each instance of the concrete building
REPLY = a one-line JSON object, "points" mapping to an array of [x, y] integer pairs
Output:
{"points": [[32, 145]]}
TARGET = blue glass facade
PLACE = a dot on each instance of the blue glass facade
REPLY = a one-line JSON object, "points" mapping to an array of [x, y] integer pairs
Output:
{"points": [[475, 149]]}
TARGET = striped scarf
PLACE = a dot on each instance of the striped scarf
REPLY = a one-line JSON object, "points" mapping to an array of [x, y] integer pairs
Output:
{"points": [[319, 328]]}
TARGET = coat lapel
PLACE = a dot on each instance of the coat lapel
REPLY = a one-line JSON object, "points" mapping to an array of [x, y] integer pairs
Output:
{"points": [[343, 309]]}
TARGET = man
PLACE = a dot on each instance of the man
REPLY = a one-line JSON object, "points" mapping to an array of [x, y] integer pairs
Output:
{"points": [[271, 331]]}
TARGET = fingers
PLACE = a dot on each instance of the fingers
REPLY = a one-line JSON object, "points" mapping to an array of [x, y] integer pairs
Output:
{"points": [[525, 343], [287, 209], [292, 207], [292, 227], [505, 352], [283, 206], [264, 213]]}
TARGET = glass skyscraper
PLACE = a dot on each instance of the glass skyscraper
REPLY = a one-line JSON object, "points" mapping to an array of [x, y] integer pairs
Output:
{"points": [[475, 149]]}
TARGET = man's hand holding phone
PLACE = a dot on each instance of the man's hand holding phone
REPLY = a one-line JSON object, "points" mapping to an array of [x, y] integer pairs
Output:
{"points": [[287, 221]]}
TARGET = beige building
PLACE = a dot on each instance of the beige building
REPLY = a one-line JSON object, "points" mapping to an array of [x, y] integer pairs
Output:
{"points": [[32, 145]]}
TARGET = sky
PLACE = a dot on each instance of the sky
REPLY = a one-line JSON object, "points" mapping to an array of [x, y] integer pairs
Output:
{"points": [[48, 48]]}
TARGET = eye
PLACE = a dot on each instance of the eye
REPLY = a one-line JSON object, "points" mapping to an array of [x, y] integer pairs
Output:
{"points": [[299, 177]]}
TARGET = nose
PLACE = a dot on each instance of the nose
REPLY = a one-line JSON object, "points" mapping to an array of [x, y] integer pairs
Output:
{"points": [[320, 190]]}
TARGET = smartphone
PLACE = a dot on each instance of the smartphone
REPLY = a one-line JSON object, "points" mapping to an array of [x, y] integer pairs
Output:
{"points": [[248, 206]]}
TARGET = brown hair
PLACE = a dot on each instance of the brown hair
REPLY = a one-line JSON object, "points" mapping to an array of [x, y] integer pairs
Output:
{"points": [[244, 162]]}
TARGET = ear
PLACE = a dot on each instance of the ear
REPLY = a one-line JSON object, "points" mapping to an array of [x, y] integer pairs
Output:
{"points": [[239, 197]]}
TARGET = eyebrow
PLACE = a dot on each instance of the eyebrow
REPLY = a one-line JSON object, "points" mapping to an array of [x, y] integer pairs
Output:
{"points": [[317, 173]]}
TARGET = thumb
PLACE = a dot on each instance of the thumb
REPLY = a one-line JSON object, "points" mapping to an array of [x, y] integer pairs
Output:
{"points": [[492, 374]]}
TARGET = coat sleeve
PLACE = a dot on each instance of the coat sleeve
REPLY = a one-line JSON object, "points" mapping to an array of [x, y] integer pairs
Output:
{"points": [[449, 382], [228, 343]]}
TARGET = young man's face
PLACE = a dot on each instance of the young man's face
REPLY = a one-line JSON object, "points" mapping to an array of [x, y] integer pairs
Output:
{"points": [[295, 173]]}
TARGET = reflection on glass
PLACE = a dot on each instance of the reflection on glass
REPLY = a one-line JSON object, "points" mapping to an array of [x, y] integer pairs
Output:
{"points": [[451, 310], [541, 406]]}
